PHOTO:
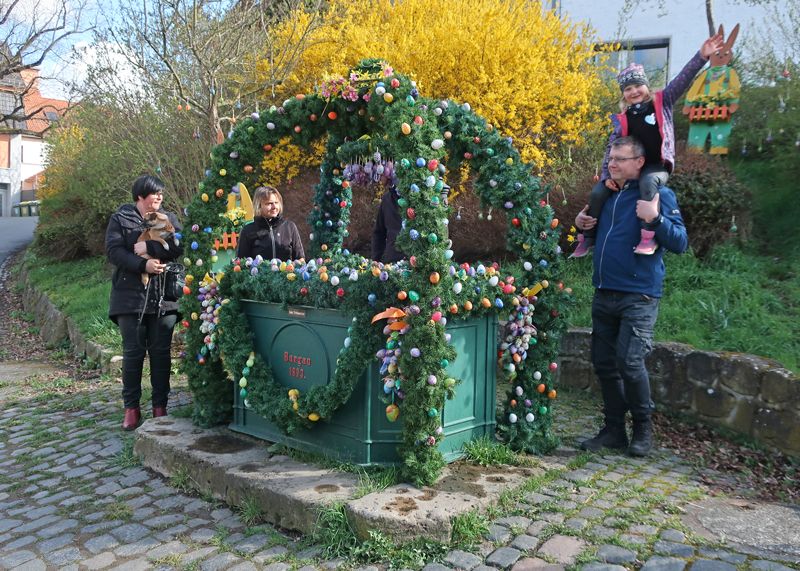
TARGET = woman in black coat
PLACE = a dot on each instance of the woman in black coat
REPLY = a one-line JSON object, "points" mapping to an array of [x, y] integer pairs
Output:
{"points": [[145, 320], [270, 234]]}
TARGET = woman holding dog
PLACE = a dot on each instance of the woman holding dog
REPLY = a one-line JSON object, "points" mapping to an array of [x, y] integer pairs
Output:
{"points": [[145, 320], [270, 235]]}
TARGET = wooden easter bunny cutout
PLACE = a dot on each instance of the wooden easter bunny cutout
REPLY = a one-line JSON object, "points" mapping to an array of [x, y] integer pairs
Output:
{"points": [[712, 99]]}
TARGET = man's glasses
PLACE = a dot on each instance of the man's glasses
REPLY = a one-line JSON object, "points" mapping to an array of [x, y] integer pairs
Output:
{"points": [[622, 159]]}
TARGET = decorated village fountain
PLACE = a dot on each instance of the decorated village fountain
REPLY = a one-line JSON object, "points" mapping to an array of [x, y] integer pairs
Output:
{"points": [[358, 360]]}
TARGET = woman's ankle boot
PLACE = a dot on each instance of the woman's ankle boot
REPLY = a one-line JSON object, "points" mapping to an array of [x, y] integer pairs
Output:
{"points": [[132, 418]]}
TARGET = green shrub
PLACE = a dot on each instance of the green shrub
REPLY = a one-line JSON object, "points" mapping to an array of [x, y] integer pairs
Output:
{"points": [[95, 154], [714, 204]]}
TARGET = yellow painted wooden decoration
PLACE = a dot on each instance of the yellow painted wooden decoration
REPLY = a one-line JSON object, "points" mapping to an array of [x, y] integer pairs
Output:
{"points": [[535, 289], [246, 202]]}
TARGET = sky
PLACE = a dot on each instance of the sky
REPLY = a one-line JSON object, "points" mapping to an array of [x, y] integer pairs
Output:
{"points": [[61, 65]]}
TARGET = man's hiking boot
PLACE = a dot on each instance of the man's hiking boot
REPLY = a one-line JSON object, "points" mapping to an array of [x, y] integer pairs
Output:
{"points": [[611, 436], [642, 439]]}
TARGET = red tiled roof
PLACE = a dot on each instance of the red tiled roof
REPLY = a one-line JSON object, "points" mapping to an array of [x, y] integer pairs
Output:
{"points": [[33, 181], [35, 103]]}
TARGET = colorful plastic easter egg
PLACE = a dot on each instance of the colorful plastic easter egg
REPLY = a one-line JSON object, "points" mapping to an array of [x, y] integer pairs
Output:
{"points": [[392, 412]]}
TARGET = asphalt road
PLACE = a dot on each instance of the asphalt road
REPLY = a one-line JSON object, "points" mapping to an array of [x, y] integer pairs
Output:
{"points": [[15, 233]]}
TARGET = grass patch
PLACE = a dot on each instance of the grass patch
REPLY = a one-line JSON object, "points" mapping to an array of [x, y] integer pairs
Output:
{"points": [[181, 480], [250, 511], [126, 458], [119, 511], [733, 301], [81, 290], [374, 479], [334, 532], [182, 411], [337, 538], [486, 451], [171, 560], [469, 529]]}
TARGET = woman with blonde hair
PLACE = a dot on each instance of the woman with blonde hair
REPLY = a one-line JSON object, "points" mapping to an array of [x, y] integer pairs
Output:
{"points": [[270, 234]]}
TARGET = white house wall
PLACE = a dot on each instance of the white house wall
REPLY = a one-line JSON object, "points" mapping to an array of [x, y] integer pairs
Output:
{"points": [[32, 157], [683, 22], [11, 176]]}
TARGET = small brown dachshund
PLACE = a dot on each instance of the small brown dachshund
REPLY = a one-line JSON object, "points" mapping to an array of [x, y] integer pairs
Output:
{"points": [[160, 229]]}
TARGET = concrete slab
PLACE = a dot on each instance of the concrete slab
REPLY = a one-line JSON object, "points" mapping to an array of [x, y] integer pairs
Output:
{"points": [[16, 371], [771, 531], [404, 511], [233, 467]]}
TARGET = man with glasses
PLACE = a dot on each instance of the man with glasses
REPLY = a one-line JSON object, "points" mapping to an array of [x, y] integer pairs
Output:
{"points": [[627, 292]]}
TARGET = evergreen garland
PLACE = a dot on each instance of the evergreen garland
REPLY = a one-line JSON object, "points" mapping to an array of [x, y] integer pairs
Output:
{"points": [[376, 110]]}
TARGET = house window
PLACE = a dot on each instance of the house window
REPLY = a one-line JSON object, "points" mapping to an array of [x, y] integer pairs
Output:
{"points": [[52, 116], [653, 54]]}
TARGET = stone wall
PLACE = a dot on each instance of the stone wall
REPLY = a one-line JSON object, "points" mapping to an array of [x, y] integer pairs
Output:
{"points": [[748, 394], [56, 328]]}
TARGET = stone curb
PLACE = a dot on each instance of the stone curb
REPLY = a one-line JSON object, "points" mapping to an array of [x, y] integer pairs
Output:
{"points": [[235, 468], [56, 328]]}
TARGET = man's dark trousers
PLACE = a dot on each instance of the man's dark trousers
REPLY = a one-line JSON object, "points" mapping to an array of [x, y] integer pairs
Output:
{"points": [[622, 336]]}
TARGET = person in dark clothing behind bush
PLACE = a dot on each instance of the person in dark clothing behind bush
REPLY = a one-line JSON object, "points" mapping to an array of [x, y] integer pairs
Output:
{"points": [[627, 292], [388, 224], [145, 320], [270, 235]]}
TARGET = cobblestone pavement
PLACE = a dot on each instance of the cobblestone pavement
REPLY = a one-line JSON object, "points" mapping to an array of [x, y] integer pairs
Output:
{"points": [[73, 496]]}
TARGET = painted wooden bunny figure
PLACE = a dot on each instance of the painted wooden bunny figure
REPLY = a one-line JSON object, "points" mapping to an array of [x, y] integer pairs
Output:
{"points": [[712, 100]]}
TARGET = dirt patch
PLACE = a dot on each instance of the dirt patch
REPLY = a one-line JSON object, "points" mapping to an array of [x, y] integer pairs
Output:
{"points": [[219, 444], [464, 478], [427, 495], [250, 467], [326, 488], [401, 505], [165, 432], [499, 479]]}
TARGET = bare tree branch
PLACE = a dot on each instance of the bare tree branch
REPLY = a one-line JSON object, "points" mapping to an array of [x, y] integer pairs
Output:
{"points": [[202, 51], [27, 40]]}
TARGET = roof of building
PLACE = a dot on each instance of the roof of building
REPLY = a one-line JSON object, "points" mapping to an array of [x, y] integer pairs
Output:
{"points": [[44, 109]]}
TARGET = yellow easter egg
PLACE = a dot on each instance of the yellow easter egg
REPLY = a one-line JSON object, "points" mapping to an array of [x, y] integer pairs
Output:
{"points": [[222, 172]]}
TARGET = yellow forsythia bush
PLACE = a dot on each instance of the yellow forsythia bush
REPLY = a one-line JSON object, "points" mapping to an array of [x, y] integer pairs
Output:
{"points": [[532, 74]]}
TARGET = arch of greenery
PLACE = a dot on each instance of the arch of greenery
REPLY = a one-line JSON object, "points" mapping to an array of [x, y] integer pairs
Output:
{"points": [[372, 110]]}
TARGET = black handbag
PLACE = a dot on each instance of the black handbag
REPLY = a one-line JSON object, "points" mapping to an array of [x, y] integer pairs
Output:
{"points": [[172, 281]]}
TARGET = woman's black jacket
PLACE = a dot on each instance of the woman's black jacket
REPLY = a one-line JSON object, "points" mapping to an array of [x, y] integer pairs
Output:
{"points": [[272, 238], [128, 294]]}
